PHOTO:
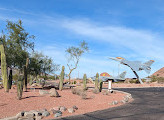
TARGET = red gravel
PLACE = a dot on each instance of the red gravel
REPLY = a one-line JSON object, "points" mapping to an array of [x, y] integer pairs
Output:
{"points": [[10, 106]]}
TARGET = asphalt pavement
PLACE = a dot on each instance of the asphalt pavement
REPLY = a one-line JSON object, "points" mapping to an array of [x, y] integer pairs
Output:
{"points": [[148, 104]]}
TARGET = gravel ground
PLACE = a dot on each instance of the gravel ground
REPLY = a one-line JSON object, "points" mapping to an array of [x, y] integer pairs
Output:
{"points": [[10, 106]]}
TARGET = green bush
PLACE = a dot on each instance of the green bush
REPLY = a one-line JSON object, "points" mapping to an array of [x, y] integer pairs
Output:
{"points": [[134, 81], [15, 77], [74, 82], [153, 78], [51, 77], [160, 79]]}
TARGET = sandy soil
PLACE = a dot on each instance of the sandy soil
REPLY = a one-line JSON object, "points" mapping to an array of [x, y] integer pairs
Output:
{"points": [[10, 106]]}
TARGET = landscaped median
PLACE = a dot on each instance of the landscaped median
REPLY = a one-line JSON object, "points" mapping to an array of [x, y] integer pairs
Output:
{"points": [[43, 104]]}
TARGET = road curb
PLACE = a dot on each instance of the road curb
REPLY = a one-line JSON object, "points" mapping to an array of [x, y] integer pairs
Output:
{"points": [[127, 96]]}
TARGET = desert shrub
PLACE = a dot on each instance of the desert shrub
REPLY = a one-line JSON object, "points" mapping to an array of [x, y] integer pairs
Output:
{"points": [[153, 79], [143, 80], [80, 92], [15, 77], [96, 91], [52, 78], [74, 82], [106, 92], [134, 81], [83, 95], [160, 79], [44, 77], [77, 91]]}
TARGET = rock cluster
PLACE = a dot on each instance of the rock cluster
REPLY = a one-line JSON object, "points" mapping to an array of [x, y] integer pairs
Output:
{"points": [[125, 100], [39, 114]]}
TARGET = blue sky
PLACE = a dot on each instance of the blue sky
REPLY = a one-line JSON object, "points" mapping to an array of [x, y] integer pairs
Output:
{"points": [[133, 29]]}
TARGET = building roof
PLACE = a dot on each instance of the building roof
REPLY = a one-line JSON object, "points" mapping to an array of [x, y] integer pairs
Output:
{"points": [[105, 74]]}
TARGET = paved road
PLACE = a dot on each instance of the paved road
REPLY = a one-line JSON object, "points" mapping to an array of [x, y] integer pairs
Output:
{"points": [[148, 105]]}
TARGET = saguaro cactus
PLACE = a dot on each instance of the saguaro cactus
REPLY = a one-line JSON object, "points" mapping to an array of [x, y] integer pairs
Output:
{"points": [[61, 78], [4, 69], [10, 79], [20, 87], [85, 82], [25, 74], [97, 81], [100, 85]]}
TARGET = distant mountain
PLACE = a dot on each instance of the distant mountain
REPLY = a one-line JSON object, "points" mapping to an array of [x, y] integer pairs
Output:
{"points": [[159, 73]]}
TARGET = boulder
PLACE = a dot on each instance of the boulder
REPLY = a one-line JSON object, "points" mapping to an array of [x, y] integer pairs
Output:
{"points": [[129, 96], [114, 103], [53, 92], [43, 92], [56, 108], [62, 109], [10, 118], [20, 114], [126, 99], [37, 113], [71, 110], [57, 115], [52, 111], [29, 114], [25, 118], [34, 85], [38, 117], [111, 91], [75, 108], [45, 113]]}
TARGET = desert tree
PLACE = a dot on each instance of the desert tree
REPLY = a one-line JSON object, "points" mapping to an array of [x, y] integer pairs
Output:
{"points": [[73, 56], [39, 64], [17, 44]]}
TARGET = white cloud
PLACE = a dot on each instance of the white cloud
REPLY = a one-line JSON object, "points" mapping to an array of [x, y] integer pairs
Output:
{"points": [[143, 42]]}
